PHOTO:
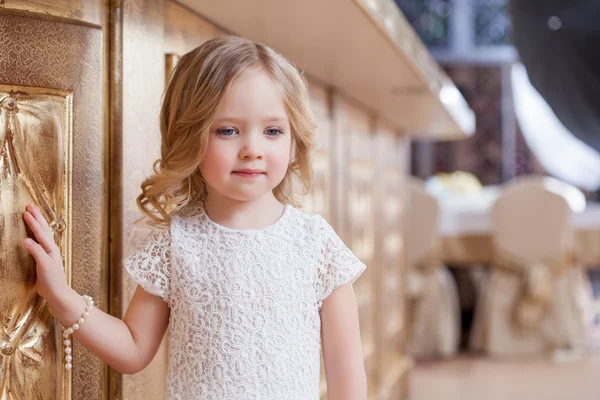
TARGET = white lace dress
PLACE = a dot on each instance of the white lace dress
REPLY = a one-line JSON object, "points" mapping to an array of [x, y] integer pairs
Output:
{"points": [[245, 304]]}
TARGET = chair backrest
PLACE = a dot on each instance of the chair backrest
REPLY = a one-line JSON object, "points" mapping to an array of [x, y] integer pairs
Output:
{"points": [[532, 221], [574, 197], [421, 223]]}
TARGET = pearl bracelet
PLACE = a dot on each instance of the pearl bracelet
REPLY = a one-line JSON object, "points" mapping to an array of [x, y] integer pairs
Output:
{"points": [[89, 304]]}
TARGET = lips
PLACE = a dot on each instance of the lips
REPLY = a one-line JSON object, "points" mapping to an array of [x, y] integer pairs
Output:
{"points": [[249, 172]]}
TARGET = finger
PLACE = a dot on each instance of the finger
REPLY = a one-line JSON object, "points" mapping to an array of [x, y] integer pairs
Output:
{"points": [[37, 214], [41, 257], [43, 238]]}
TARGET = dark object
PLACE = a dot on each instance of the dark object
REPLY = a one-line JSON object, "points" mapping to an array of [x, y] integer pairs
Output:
{"points": [[559, 44]]}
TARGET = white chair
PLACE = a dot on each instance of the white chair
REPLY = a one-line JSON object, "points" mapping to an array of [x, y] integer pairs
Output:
{"points": [[434, 312], [574, 197], [536, 297]]}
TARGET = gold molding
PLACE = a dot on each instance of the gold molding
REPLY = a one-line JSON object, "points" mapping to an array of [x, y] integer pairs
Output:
{"points": [[171, 61], [38, 121], [54, 55]]}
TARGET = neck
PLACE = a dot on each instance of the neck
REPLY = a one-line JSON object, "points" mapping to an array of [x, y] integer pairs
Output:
{"points": [[233, 214]]}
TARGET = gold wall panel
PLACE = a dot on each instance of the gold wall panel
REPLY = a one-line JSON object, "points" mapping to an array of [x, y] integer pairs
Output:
{"points": [[35, 156], [370, 160], [185, 30], [318, 199], [393, 365], [391, 242], [137, 86], [94, 12], [52, 153], [362, 238], [357, 172], [171, 61]]}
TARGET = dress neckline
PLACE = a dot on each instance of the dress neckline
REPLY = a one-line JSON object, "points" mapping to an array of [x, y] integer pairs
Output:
{"points": [[279, 221]]}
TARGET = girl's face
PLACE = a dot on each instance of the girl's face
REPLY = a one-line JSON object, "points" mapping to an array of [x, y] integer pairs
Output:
{"points": [[249, 146]]}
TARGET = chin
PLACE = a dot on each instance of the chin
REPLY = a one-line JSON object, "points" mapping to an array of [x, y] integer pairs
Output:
{"points": [[246, 195]]}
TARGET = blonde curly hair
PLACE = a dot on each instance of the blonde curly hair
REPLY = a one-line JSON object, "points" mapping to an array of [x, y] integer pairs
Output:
{"points": [[189, 110]]}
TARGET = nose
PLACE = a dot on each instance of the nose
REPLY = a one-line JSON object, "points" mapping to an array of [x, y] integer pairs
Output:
{"points": [[251, 147]]}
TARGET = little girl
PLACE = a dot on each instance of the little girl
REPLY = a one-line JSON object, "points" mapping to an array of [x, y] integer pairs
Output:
{"points": [[250, 286]]}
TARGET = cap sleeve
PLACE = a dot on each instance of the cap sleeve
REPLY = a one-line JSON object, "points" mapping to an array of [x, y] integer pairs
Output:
{"points": [[337, 264], [150, 265]]}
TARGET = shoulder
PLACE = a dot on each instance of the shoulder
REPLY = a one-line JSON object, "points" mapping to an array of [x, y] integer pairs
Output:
{"points": [[306, 219], [312, 224], [155, 243]]}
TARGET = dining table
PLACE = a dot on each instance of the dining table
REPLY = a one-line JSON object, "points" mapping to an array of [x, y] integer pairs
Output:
{"points": [[466, 226]]}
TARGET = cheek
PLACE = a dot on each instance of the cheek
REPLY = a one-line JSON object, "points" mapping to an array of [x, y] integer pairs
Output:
{"points": [[216, 162], [280, 158]]}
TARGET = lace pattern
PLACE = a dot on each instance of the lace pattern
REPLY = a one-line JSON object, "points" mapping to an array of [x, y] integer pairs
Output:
{"points": [[245, 304], [149, 265]]}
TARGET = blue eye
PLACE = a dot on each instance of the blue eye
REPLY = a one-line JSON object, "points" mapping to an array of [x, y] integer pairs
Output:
{"points": [[226, 132], [274, 132]]}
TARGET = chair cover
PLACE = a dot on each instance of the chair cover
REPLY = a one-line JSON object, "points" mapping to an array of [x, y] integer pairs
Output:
{"points": [[434, 312], [537, 297]]}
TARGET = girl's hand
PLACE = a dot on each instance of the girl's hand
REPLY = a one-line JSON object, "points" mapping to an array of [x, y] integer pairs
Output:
{"points": [[50, 274]]}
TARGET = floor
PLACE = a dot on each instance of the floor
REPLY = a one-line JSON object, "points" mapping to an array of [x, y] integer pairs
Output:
{"points": [[477, 378], [471, 378]]}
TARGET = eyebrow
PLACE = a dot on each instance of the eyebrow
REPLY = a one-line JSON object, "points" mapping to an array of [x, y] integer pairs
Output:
{"points": [[274, 118]]}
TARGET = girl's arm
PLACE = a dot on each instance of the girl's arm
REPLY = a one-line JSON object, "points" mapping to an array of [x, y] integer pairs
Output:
{"points": [[128, 346], [342, 351]]}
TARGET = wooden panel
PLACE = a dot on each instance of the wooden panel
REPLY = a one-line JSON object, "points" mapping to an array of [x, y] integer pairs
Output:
{"points": [[65, 57], [93, 12], [171, 61], [318, 200], [139, 78], [185, 30], [390, 248], [403, 159], [354, 155], [393, 365]]}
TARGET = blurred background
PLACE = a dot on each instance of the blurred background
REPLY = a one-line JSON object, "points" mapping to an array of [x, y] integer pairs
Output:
{"points": [[527, 72]]}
